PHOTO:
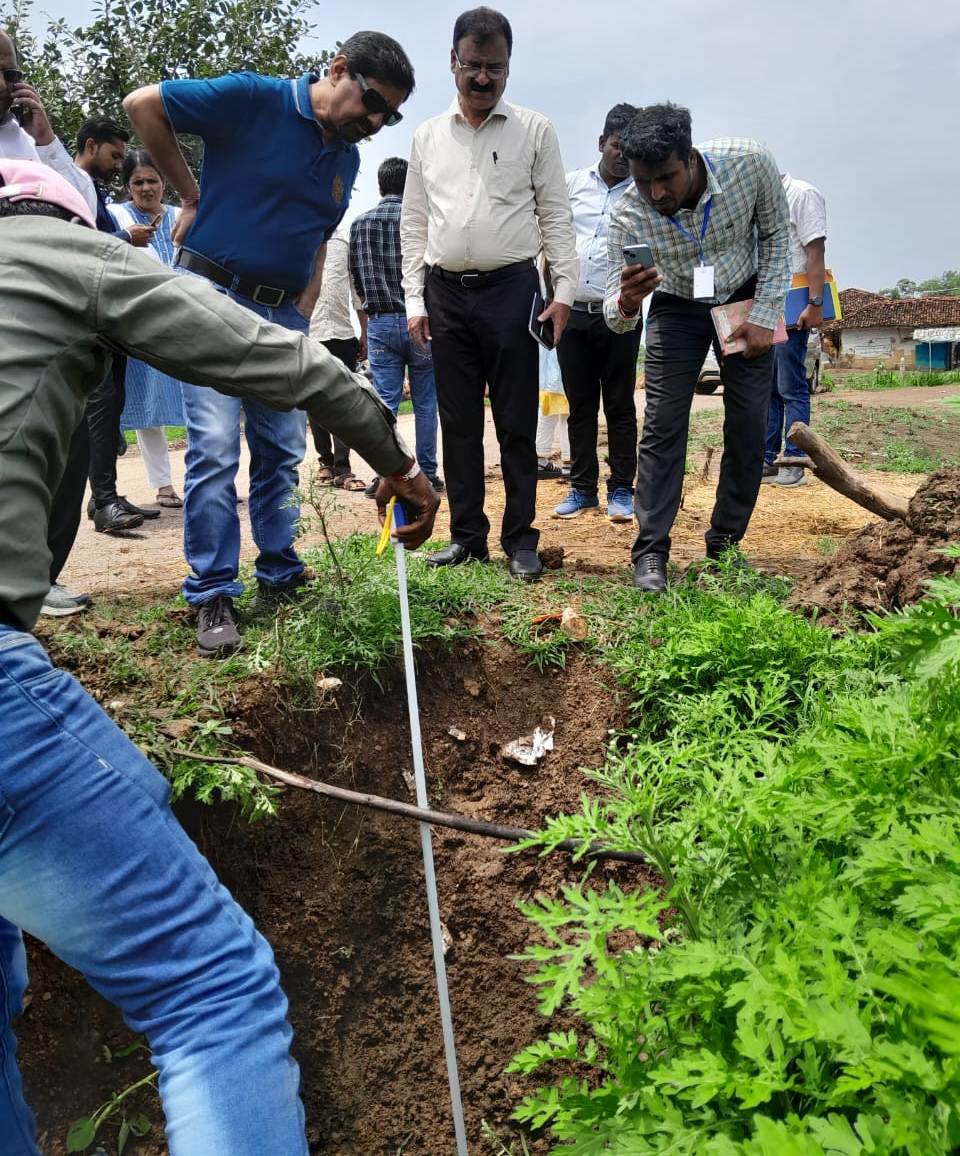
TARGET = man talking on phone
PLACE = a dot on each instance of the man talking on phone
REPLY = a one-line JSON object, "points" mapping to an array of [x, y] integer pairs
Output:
{"points": [[716, 220], [485, 192], [25, 131]]}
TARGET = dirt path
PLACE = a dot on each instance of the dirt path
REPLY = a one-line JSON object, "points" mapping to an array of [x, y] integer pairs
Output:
{"points": [[784, 533]]}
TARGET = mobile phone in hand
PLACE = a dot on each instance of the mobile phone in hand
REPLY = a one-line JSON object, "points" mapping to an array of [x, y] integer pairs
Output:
{"points": [[640, 254], [156, 220], [540, 331]]}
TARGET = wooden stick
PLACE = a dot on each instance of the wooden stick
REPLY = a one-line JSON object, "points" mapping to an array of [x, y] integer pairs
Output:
{"points": [[829, 467], [409, 811]]}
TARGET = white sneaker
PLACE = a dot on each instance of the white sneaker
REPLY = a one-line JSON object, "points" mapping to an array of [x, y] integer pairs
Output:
{"points": [[60, 602], [790, 476]]}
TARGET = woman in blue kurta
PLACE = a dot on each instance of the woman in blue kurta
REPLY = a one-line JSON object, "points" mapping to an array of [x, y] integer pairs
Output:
{"points": [[154, 399]]}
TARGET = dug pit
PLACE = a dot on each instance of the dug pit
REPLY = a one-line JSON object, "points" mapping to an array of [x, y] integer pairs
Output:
{"points": [[339, 893]]}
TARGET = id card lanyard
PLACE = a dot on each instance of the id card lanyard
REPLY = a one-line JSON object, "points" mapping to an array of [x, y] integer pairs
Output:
{"points": [[703, 279]]}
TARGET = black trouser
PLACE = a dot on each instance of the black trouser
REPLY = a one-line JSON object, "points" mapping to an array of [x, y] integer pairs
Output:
{"points": [[332, 452], [679, 333], [66, 505], [480, 338], [596, 364], [104, 408]]}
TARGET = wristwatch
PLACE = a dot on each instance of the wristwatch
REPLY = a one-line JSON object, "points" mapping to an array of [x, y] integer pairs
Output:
{"points": [[818, 300]]}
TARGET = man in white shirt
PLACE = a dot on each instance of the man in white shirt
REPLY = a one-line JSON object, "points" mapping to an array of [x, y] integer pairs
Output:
{"points": [[485, 192], [790, 396], [34, 140], [597, 363], [332, 325]]}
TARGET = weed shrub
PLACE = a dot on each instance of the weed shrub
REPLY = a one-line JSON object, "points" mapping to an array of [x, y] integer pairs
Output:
{"points": [[796, 989]]}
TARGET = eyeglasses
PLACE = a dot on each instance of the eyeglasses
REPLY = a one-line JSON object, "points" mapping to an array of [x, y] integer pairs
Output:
{"points": [[12, 75], [374, 102], [494, 71]]}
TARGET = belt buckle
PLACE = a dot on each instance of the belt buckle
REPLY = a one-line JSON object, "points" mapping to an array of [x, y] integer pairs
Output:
{"points": [[277, 296], [464, 276], [594, 306]]}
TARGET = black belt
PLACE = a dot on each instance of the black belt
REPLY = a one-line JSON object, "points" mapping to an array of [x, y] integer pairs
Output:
{"points": [[588, 306], [475, 279], [265, 295]]}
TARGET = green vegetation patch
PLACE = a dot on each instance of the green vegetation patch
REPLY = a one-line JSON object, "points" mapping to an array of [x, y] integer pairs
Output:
{"points": [[796, 987]]}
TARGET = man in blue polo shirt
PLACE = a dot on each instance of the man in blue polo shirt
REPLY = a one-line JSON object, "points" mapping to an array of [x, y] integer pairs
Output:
{"points": [[279, 164]]}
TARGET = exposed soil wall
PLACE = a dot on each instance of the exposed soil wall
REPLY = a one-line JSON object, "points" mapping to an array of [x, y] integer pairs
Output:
{"points": [[339, 892]]}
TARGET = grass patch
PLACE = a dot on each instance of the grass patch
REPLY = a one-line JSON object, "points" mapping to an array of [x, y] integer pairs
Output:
{"points": [[891, 379], [893, 439], [174, 433]]}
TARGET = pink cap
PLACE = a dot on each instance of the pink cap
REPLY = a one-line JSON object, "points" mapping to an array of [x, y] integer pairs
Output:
{"points": [[31, 181]]}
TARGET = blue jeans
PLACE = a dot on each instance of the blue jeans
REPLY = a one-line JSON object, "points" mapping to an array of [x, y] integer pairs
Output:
{"points": [[390, 350], [211, 522], [790, 396], [93, 862]]}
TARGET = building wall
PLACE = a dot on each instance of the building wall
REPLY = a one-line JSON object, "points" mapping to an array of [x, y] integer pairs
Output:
{"points": [[867, 348]]}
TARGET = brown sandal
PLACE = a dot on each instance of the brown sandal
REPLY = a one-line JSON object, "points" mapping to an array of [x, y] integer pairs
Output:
{"points": [[170, 500], [349, 482], [325, 476]]}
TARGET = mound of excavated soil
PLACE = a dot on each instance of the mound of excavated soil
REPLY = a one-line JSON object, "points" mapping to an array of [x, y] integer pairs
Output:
{"points": [[887, 564]]}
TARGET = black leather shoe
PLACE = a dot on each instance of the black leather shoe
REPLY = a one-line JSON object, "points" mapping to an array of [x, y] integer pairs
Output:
{"points": [[113, 517], [455, 555], [132, 509], [526, 565], [650, 573], [371, 490]]}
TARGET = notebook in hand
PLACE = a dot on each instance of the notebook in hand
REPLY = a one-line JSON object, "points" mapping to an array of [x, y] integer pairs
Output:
{"points": [[727, 318], [799, 297]]}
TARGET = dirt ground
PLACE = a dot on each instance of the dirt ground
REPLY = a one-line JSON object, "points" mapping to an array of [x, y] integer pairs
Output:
{"points": [[785, 534], [887, 565], [339, 893]]}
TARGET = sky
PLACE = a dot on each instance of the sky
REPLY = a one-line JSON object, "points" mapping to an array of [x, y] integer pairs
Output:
{"points": [[859, 97]]}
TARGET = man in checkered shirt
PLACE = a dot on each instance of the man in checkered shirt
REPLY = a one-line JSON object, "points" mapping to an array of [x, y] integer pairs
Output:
{"points": [[376, 270], [717, 221]]}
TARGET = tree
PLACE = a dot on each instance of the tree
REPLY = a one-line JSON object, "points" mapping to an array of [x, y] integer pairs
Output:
{"points": [[87, 71], [947, 283]]}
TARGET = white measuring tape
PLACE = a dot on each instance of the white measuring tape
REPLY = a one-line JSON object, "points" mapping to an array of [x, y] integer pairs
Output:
{"points": [[426, 839]]}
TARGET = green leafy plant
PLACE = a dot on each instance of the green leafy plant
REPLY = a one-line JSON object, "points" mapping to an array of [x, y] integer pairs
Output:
{"points": [[792, 986], [83, 1132]]}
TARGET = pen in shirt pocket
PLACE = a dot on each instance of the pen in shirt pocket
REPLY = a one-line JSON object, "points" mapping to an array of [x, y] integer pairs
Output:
{"points": [[494, 156]]}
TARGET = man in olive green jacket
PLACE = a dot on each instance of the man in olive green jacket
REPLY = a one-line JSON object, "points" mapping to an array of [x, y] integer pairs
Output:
{"points": [[92, 860]]}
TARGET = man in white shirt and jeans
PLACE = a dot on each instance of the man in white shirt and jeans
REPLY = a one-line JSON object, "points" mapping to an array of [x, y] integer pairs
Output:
{"points": [[790, 396], [485, 192], [597, 363]]}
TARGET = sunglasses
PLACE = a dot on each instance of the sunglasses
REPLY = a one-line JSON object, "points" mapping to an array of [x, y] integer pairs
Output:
{"points": [[12, 76], [375, 103]]}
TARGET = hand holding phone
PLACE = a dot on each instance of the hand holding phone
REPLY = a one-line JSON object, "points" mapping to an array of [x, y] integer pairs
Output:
{"points": [[638, 278], [540, 331]]}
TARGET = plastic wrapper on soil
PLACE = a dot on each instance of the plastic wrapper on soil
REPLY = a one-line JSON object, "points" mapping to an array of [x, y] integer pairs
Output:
{"points": [[887, 565], [528, 750]]}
